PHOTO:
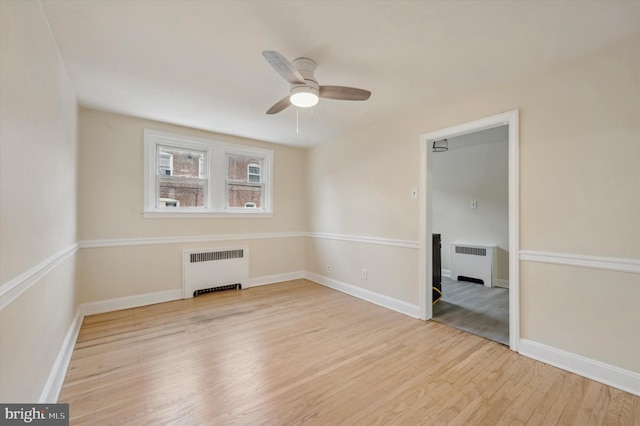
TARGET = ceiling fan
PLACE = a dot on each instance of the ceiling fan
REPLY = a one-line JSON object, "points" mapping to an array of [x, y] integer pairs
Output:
{"points": [[305, 90]]}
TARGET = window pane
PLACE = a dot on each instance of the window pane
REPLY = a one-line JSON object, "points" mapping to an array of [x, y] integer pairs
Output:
{"points": [[176, 192], [244, 196], [165, 163], [180, 162], [253, 173], [244, 169]]}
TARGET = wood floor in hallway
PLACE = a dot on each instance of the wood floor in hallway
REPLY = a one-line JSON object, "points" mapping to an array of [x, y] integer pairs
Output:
{"points": [[300, 353]]}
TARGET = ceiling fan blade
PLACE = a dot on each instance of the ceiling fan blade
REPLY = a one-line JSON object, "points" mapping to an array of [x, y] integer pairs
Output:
{"points": [[344, 93], [279, 106], [284, 67]]}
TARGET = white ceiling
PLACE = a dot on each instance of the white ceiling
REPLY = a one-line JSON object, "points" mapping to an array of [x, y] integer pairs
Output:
{"points": [[199, 63]]}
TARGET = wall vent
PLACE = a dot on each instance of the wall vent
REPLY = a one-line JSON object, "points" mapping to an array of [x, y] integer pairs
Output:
{"points": [[211, 256], [236, 286], [208, 270], [473, 262], [474, 251]]}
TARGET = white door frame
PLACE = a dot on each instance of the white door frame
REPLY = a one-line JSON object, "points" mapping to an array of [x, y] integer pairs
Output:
{"points": [[509, 118]]}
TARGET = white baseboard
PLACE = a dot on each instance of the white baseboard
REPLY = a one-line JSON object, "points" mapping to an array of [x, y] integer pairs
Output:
{"points": [[54, 383], [127, 302], [446, 273], [368, 295], [502, 283], [616, 377], [277, 278]]}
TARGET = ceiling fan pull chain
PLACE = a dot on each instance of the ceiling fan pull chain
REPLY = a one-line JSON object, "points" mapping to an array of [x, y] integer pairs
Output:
{"points": [[297, 113]]}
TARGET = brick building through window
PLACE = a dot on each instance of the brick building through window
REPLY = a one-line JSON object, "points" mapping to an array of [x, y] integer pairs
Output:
{"points": [[181, 178], [244, 182], [182, 182]]}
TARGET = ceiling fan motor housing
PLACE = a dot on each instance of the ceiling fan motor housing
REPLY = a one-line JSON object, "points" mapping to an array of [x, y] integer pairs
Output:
{"points": [[305, 95], [306, 67]]}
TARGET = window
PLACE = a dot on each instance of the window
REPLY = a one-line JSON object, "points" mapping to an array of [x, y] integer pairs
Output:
{"points": [[253, 172], [189, 177], [165, 163], [181, 182], [244, 184]]}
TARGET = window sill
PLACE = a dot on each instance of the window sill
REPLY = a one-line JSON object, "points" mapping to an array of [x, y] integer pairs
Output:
{"points": [[206, 215]]}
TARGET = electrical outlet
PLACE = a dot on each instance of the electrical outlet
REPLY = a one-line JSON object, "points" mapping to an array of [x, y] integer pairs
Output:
{"points": [[364, 274], [474, 204], [328, 268]]}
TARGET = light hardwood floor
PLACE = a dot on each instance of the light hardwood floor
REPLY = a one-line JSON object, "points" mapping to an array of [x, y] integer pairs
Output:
{"points": [[474, 308], [300, 353]]}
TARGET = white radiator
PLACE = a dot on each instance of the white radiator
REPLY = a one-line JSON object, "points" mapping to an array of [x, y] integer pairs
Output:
{"points": [[207, 270], [474, 261]]}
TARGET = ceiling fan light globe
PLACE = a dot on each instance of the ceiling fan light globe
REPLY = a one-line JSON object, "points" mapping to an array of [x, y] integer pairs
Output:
{"points": [[303, 97]]}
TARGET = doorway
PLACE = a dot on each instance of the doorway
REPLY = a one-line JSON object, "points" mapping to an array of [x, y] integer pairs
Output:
{"points": [[510, 120], [470, 207]]}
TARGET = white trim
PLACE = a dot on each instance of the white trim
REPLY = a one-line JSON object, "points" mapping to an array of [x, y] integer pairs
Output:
{"points": [[233, 237], [277, 278], [183, 240], [368, 295], [446, 273], [425, 229], [596, 262], [511, 119], [366, 240], [127, 302], [238, 214], [502, 283], [52, 388], [610, 375], [12, 289]]}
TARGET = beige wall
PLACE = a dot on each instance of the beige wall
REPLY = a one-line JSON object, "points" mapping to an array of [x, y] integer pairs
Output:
{"points": [[590, 312], [476, 173], [111, 203], [579, 190], [37, 197], [388, 267], [111, 183]]}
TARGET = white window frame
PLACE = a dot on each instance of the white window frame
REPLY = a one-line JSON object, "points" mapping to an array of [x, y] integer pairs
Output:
{"points": [[215, 171], [249, 174], [170, 164]]}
